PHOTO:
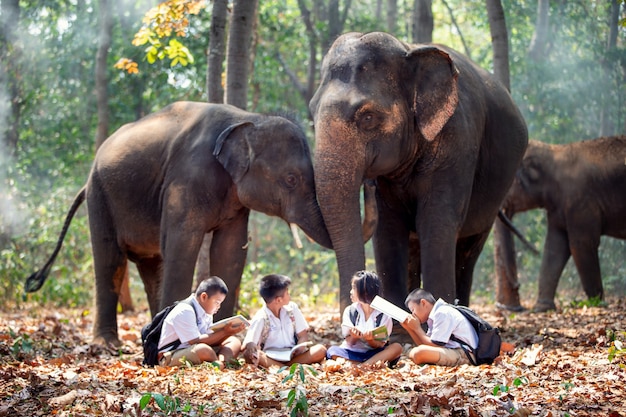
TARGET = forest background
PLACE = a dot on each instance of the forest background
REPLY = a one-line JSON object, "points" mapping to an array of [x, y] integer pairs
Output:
{"points": [[567, 74]]}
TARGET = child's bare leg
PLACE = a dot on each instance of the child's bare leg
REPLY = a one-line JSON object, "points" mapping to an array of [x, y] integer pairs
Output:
{"points": [[425, 354], [229, 349], [390, 353]]}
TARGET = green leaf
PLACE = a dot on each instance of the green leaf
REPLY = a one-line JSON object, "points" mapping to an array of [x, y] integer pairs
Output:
{"points": [[160, 400], [145, 399]]}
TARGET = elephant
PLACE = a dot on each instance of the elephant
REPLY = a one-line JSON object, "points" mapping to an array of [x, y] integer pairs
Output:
{"points": [[158, 185], [582, 188], [440, 137]]}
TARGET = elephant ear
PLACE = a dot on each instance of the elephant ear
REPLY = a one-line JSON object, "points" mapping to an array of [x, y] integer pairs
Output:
{"points": [[232, 149], [436, 94]]}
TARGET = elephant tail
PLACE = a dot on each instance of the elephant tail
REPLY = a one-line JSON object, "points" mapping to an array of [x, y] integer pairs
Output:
{"points": [[503, 217], [36, 280]]}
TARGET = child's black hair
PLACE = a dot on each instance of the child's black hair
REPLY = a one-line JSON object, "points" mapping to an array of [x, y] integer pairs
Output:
{"points": [[273, 286], [211, 286], [418, 295], [367, 285]]}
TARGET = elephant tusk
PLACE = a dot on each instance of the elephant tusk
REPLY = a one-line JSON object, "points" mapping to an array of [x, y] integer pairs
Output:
{"points": [[296, 236]]}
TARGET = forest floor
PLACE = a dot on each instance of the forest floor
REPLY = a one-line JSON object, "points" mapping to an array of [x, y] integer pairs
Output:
{"points": [[565, 363]]}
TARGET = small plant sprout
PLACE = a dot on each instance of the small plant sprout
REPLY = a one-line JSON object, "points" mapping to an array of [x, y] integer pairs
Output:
{"points": [[297, 402]]}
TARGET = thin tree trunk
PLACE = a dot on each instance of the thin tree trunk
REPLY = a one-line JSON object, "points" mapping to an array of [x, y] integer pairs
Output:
{"points": [[238, 56], [10, 59], [392, 16], [216, 52], [104, 43], [537, 48], [607, 126], [423, 23], [458, 28], [499, 41]]}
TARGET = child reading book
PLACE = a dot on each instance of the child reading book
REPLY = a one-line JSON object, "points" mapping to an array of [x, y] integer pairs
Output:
{"points": [[366, 330], [278, 333]]}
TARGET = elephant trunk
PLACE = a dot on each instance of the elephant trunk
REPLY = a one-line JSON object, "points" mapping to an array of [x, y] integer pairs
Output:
{"points": [[338, 181], [312, 223]]}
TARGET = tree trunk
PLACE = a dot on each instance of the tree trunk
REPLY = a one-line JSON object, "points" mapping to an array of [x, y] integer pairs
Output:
{"points": [[499, 41], [607, 126], [238, 56], [423, 23], [216, 52], [392, 16], [507, 285], [104, 43], [10, 52], [537, 48]]}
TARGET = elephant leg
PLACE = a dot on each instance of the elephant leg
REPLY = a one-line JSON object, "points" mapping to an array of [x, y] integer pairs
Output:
{"points": [[110, 266], [203, 265], [507, 284], [229, 249], [584, 251], [126, 301], [150, 273], [467, 252], [414, 271], [555, 255]]}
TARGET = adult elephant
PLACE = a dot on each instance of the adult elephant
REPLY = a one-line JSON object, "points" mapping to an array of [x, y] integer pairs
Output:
{"points": [[582, 187], [442, 139], [158, 185]]}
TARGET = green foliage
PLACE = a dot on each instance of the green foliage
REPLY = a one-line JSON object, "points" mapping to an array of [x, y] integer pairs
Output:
{"points": [[169, 406], [617, 350], [296, 396]]}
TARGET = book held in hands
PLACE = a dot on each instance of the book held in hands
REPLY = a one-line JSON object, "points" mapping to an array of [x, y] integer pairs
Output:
{"points": [[389, 309], [287, 354], [239, 322]]}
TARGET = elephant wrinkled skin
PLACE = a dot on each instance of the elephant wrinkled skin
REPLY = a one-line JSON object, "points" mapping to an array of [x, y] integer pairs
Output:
{"points": [[582, 187], [442, 139], [158, 185]]}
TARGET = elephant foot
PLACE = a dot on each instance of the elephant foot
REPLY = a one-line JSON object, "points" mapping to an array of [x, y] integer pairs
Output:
{"points": [[518, 308], [107, 341], [543, 306]]}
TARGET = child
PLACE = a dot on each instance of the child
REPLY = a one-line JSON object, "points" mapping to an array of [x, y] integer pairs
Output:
{"points": [[360, 345], [445, 324], [278, 325], [189, 323]]}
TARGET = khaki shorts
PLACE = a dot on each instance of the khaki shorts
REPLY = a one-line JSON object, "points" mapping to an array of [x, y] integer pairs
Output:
{"points": [[452, 357], [180, 356]]}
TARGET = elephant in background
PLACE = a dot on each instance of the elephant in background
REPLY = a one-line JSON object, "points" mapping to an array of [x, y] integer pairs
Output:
{"points": [[441, 138], [159, 185], [582, 187]]}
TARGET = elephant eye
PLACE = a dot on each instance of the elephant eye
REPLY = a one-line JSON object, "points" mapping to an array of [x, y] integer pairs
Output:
{"points": [[367, 121], [291, 181]]}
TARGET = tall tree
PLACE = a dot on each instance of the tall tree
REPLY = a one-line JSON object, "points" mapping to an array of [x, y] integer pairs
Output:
{"points": [[422, 22], [215, 51], [104, 44], [10, 60], [238, 55], [539, 40], [392, 16], [499, 42]]}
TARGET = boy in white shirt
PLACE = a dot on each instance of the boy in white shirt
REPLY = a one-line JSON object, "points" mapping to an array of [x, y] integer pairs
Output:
{"points": [[189, 323], [278, 325], [445, 323]]}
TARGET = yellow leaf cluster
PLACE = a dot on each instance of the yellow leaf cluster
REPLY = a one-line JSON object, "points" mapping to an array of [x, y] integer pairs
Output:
{"points": [[127, 65]]}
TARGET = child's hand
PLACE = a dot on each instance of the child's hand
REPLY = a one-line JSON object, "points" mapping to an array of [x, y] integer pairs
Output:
{"points": [[356, 333], [368, 336], [251, 354], [232, 328], [412, 323]]}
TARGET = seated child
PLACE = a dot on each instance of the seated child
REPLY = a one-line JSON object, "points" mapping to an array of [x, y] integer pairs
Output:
{"points": [[278, 325], [445, 323], [189, 323], [359, 319]]}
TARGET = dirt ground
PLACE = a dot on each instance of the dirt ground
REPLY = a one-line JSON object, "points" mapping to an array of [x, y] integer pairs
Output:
{"points": [[565, 363]]}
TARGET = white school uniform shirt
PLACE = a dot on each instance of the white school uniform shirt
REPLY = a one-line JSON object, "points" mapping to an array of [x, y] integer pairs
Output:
{"points": [[362, 325], [444, 321], [281, 331], [183, 324]]}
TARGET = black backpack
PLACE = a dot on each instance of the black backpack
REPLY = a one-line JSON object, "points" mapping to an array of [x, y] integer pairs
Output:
{"points": [[354, 315], [489, 340], [151, 334]]}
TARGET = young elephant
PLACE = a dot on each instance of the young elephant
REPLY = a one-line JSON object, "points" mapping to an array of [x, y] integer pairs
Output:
{"points": [[581, 186], [158, 185]]}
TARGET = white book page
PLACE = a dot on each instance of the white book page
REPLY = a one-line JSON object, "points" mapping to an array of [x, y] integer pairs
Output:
{"points": [[390, 309]]}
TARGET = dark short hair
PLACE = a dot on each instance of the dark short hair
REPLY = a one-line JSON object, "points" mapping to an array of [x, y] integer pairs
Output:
{"points": [[211, 286], [418, 295], [367, 285], [273, 285]]}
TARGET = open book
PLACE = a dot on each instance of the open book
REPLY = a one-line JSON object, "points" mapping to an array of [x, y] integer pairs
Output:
{"points": [[389, 309], [287, 354], [238, 320], [379, 333]]}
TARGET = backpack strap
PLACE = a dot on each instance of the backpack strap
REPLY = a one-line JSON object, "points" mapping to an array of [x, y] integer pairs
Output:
{"points": [[173, 345], [354, 315], [266, 326]]}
